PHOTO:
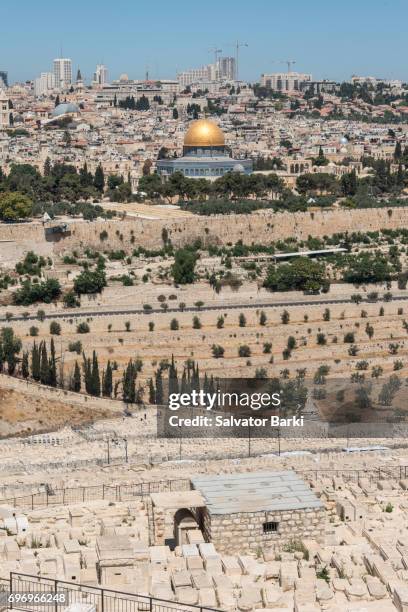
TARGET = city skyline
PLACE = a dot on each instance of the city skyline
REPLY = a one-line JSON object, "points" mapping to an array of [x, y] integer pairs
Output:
{"points": [[328, 41]]}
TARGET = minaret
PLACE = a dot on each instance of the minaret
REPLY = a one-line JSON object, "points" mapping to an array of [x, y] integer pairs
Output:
{"points": [[5, 112]]}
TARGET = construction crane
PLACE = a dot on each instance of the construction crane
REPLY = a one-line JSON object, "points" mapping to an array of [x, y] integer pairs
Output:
{"points": [[216, 52], [289, 63], [238, 45]]}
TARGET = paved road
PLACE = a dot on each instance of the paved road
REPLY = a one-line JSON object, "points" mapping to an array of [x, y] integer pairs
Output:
{"points": [[80, 314]]}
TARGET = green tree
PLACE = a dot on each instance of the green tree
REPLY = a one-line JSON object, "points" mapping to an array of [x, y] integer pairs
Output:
{"points": [[35, 362], [70, 300], [52, 366], [243, 351], [291, 343], [87, 368], [76, 379], [90, 281], [320, 160], [184, 266], [44, 364], [10, 346], [107, 386], [129, 383], [99, 179], [55, 328], [30, 293], [301, 274], [95, 377], [47, 167], [242, 320], [25, 370], [348, 183], [217, 351], [285, 317], [196, 323], [366, 267], [159, 388], [152, 392], [83, 328], [14, 206]]}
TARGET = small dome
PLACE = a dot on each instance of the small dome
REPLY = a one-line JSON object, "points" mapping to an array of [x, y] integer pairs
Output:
{"points": [[239, 168], [343, 140], [63, 109], [123, 77], [204, 133]]}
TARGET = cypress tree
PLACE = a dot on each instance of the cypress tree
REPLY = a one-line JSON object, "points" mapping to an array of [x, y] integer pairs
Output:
{"points": [[195, 381], [52, 369], [99, 179], [44, 366], [35, 362], [184, 383], [87, 373], [85, 177], [47, 167], [159, 387], [76, 378], [129, 383], [95, 378], [116, 388], [205, 383], [107, 381], [173, 380], [400, 176], [25, 371], [152, 392]]}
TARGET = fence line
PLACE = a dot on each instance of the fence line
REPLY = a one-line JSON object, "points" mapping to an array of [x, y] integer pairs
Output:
{"points": [[381, 473], [77, 495], [103, 600], [118, 493]]}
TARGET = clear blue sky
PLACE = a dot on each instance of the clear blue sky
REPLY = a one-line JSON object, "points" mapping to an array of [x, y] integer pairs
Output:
{"points": [[328, 38]]}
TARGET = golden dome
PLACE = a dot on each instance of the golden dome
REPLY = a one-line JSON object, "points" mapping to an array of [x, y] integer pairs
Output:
{"points": [[203, 133]]}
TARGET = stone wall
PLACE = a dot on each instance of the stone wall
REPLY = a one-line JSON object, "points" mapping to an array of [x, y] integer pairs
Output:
{"points": [[261, 227], [243, 532]]}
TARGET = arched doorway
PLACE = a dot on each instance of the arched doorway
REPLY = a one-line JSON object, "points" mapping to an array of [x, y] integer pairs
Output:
{"points": [[183, 521]]}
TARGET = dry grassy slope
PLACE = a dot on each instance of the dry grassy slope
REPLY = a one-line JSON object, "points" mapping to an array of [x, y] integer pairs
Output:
{"points": [[26, 409]]}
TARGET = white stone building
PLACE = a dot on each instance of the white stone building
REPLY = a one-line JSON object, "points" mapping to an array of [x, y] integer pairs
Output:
{"points": [[285, 81], [5, 112], [44, 84]]}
